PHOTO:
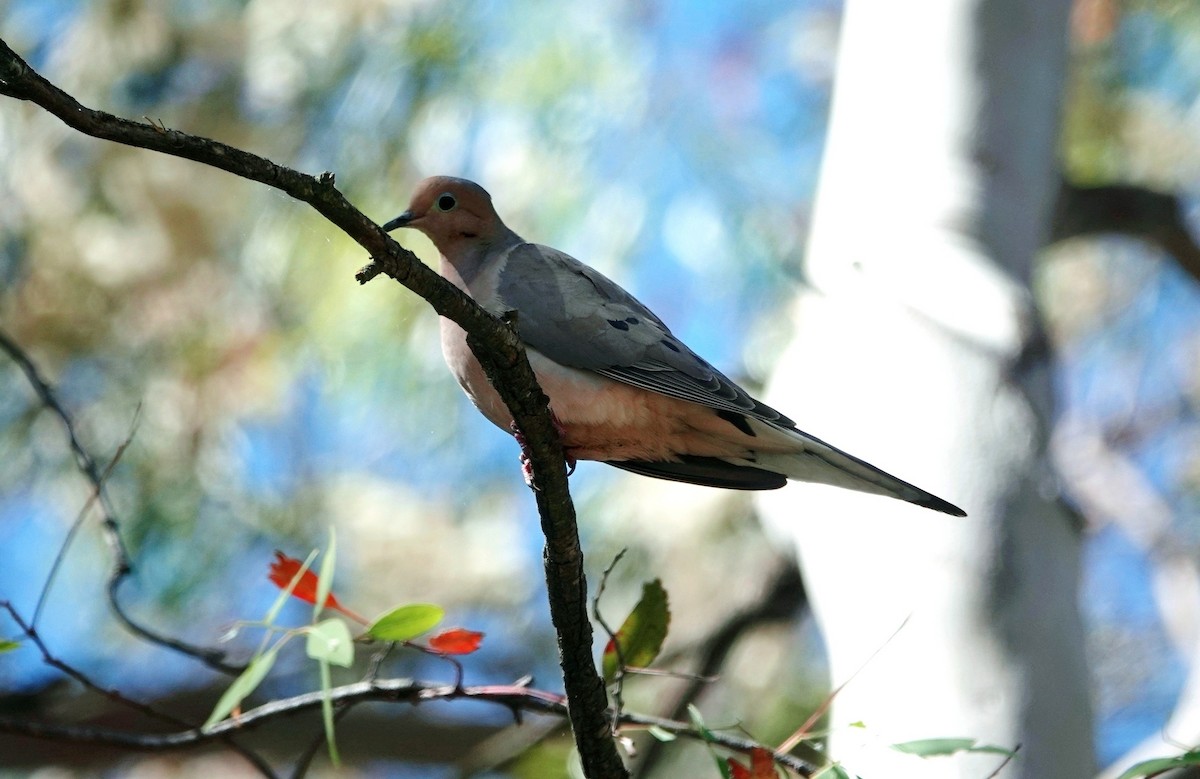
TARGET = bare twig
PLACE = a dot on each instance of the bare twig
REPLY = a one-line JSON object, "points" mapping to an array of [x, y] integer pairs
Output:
{"points": [[80, 517], [1007, 759], [458, 667], [805, 729], [619, 677], [495, 345], [30, 631], [514, 697], [669, 674], [121, 566]]}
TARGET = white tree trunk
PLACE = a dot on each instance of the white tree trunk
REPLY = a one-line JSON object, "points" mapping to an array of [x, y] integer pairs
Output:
{"points": [[935, 195]]}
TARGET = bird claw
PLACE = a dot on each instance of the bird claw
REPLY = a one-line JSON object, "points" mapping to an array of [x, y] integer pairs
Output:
{"points": [[527, 469], [527, 463]]}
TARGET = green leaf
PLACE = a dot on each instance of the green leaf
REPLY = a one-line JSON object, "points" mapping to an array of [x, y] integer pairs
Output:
{"points": [[642, 634], [242, 686], [327, 713], [331, 642], [934, 747], [662, 734], [405, 623], [940, 747], [8, 646], [325, 575], [707, 735], [698, 722], [1160, 764]]}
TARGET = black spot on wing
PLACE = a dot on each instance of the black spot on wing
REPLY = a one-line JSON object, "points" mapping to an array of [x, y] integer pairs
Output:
{"points": [[737, 420], [667, 342], [620, 324], [713, 390], [633, 320]]}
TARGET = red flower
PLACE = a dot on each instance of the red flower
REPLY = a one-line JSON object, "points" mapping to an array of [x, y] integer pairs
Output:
{"points": [[284, 569], [762, 766], [456, 641]]}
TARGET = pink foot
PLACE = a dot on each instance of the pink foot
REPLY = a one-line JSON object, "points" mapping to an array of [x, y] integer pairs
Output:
{"points": [[527, 465], [527, 468]]}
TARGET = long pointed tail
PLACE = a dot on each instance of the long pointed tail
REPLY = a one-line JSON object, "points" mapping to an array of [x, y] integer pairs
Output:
{"points": [[825, 464]]}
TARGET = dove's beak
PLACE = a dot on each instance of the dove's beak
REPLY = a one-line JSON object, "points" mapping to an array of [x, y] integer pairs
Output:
{"points": [[401, 221]]}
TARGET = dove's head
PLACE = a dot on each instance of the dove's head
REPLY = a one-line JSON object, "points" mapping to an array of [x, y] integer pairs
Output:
{"points": [[454, 213]]}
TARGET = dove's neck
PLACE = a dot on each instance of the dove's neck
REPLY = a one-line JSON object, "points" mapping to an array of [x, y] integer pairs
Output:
{"points": [[474, 266]]}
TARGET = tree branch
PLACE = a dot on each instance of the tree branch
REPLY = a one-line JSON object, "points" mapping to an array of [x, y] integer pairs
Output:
{"points": [[495, 345], [517, 697], [116, 696], [1155, 217], [121, 567]]}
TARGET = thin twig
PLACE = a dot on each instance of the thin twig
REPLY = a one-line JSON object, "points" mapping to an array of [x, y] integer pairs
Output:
{"points": [[1007, 759], [619, 677], [514, 696], [44, 595], [805, 729], [121, 567], [669, 674], [30, 631], [377, 659], [458, 667]]}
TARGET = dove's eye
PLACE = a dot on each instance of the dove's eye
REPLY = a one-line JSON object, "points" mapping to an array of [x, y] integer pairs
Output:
{"points": [[446, 202]]}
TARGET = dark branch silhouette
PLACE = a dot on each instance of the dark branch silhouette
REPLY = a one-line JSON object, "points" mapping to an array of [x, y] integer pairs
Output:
{"points": [[121, 566], [1155, 217], [30, 632], [517, 698]]}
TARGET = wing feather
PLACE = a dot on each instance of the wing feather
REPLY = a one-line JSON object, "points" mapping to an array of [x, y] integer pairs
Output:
{"points": [[576, 316]]}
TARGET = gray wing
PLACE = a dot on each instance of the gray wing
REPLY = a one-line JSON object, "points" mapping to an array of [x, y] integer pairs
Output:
{"points": [[576, 316]]}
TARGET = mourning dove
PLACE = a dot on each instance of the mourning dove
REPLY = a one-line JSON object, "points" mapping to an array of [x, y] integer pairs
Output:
{"points": [[622, 388]]}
